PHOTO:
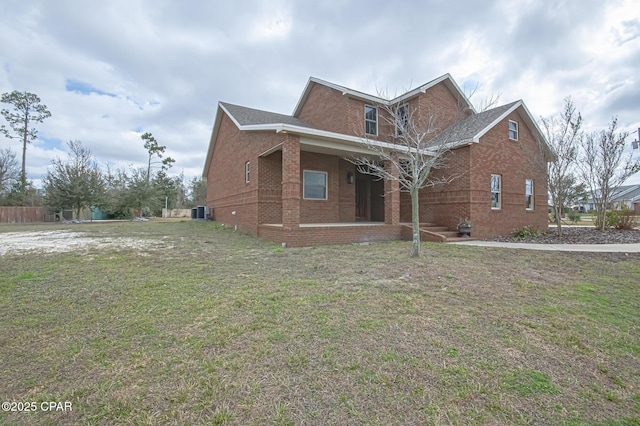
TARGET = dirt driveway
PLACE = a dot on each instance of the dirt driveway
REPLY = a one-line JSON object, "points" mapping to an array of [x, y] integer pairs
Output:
{"points": [[61, 241]]}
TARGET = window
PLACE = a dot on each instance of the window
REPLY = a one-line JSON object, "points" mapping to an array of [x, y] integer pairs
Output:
{"points": [[528, 191], [370, 120], [496, 192], [314, 185], [247, 172], [513, 130], [402, 119]]}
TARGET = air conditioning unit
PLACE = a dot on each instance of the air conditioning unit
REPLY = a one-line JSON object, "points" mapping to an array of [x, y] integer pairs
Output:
{"points": [[200, 213]]}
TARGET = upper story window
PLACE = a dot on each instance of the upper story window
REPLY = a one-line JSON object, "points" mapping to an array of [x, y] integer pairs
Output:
{"points": [[370, 120], [513, 130], [528, 190], [402, 119], [314, 185], [247, 172], [496, 192]]}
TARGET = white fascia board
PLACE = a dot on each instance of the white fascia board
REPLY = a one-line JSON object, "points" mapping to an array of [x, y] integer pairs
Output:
{"points": [[533, 122], [420, 89], [348, 138], [351, 92], [496, 121], [339, 138], [229, 115], [212, 139], [341, 89]]}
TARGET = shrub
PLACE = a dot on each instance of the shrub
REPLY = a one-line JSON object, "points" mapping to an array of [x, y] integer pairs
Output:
{"points": [[625, 219], [574, 216], [526, 232], [619, 219]]}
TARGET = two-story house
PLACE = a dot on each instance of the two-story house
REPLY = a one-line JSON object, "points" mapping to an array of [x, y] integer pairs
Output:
{"points": [[287, 178]]}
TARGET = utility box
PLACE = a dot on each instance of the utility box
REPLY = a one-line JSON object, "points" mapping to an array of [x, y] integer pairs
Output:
{"points": [[200, 213]]}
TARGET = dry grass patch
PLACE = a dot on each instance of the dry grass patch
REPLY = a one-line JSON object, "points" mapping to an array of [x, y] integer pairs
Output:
{"points": [[208, 326]]}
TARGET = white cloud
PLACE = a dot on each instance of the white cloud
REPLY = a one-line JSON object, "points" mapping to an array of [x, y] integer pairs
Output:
{"points": [[169, 63]]}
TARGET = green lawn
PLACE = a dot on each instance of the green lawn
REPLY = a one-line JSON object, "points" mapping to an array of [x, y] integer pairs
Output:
{"points": [[202, 325]]}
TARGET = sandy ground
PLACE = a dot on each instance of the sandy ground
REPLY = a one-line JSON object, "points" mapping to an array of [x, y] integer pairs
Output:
{"points": [[60, 241]]}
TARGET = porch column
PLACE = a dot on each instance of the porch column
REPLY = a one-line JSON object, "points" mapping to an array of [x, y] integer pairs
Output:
{"points": [[391, 194], [291, 182]]}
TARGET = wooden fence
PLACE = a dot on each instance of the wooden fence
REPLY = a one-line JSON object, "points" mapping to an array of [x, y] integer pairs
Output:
{"points": [[24, 215]]}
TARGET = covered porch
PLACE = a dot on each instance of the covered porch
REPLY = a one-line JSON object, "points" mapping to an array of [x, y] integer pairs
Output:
{"points": [[310, 194]]}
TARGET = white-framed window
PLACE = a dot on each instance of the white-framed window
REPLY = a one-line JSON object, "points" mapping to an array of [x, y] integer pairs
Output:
{"points": [[513, 130], [496, 192], [314, 185], [247, 172], [402, 120], [370, 120], [528, 191]]}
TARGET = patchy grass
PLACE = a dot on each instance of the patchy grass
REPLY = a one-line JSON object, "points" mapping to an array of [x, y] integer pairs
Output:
{"points": [[201, 325]]}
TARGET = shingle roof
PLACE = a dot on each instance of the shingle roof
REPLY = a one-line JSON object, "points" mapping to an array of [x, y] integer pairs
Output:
{"points": [[249, 116], [466, 129]]}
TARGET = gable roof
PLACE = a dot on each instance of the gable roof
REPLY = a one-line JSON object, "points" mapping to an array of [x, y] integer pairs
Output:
{"points": [[243, 116], [446, 78], [249, 119], [472, 128], [465, 131], [620, 194]]}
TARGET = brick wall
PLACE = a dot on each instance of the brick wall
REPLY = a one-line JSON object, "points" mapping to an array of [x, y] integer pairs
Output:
{"points": [[320, 235], [515, 161], [469, 194], [270, 188], [328, 109], [227, 191]]}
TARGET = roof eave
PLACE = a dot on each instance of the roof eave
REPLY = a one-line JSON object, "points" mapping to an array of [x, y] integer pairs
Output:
{"points": [[212, 140]]}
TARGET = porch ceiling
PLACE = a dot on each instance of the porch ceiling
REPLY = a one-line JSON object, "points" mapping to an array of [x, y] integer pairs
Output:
{"points": [[329, 147]]}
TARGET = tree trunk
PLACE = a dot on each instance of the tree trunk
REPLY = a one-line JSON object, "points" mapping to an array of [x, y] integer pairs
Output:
{"points": [[601, 214], [558, 213], [24, 154], [415, 220]]}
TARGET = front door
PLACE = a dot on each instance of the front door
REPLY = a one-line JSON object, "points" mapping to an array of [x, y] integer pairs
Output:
{"points": [[363, 199]]}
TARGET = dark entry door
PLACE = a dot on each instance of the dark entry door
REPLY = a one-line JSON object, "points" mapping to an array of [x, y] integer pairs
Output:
{"points": [[363, 199]]}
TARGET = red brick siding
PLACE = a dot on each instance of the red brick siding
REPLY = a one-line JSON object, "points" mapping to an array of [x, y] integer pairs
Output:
{"points": [[226, 188], [270, 188], [515, 161], [346, 192], [291, 182], [445, 204], [322, 211], [442, 105], [328, 109], [319, 235]]}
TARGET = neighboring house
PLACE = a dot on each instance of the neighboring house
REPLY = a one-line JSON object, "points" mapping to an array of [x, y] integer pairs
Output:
{"points": [[623, 196], [285, 178]]}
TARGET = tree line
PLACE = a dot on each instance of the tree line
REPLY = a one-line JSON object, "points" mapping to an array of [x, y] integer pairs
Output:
{"points": [[78, 182], [590, 164]]}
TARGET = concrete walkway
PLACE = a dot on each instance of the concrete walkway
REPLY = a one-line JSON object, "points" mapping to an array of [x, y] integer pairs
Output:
{"points": [[598, 248]]}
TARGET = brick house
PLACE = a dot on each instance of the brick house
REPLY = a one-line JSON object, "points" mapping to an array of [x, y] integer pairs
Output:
{"points": [[285, 178]]}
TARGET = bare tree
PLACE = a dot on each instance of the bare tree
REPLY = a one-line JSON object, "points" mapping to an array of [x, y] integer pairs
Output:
{"points": [[27, 110], [564, 135], [9, 170], [604, 166], [411, 156]]}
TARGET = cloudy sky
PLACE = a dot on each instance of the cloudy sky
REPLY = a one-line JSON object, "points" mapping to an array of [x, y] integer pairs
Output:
{"points": [[110, 70]]}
